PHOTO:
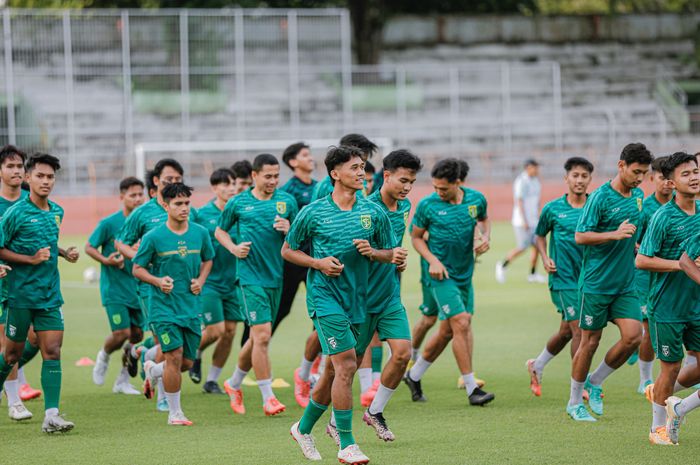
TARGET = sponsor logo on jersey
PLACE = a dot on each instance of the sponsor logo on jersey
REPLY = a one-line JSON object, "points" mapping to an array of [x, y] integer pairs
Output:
{"points": [[442, 213], [33, 220], [281, 208], [249, 208], [561, 215], [472, 211], [366, 221]]}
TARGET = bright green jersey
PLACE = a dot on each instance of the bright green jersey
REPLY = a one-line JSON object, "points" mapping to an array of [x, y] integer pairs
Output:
{"points": [[673, 297], [642, 277], [4, 205], [384, 284], [559, 218], [179, 256], [27, 228], [451, 228], [331, 232], [253, 220], [608, 268], [117, 285], [222, 279], [301, 191]]}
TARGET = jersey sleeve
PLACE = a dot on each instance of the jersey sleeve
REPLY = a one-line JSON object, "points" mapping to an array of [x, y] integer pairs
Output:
{"points": [[654, 237], [300, 229], [420, 218], [591, 215], [9, 227], [482, 209], [99, 236], [383, 233], [228, 216], [130, 232], [544, 225], [207, 246], [691, 247], [146, 251]]}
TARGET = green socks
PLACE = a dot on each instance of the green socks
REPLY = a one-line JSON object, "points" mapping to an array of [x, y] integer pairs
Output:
{"points": [[27, 354], [343, 423], [51, 383], [377, 353], [5, 369], [312, 413]]}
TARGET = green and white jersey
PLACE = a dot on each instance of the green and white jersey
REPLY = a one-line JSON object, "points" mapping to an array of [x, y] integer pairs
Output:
{"points": [[301, 191], [384, 284], [253, 221], [642, 278], [4, 206], [222, 279], [673, 297], [331, 232], [559, 218], [179, 256], [26, 229], [117, 285], [609, 268], [451, 228]]}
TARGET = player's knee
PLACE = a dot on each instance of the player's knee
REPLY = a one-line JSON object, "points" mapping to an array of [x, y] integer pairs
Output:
{"points": [[135, 335], [262, 338], [401, 355], [52, 351], [186, 364], [12, 354], [632, 340], [121, 335]]}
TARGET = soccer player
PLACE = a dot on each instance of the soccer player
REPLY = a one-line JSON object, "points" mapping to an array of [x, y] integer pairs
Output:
{"points": [[221, 306], [262, 216], [367, 148], [117, 287], [370, 171], [30, 246], [675, 314], [450, 216], [563, 263], [526, 206], [242, 176], [175, 258], [608, 230], [342, 229]]}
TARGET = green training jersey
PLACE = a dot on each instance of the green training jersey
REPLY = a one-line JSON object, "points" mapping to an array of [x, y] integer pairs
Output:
{"points": [[301, 191], [179, 256], [384, 284], [222, 279], [608, 268], [117, 285], [451, 228], [27, 228], [331, 232], [4, 205], [642, 277], [559, 218], [253, 220], [673, 297]]}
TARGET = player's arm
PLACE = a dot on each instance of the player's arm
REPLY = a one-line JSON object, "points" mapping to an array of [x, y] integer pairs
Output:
{"points": [[197, 283], [71, 254], [129, 251], [626, 230], [381, 255], [436, 269], [330, 266], [239, 250], [656, 264], [165, 284], [41, 255], [114, 259], [690, 267]]}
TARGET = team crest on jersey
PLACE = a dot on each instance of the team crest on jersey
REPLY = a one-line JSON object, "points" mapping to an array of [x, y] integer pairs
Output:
{"points": [[332, 342], [366, 221], [639, 204], [58, 220], [472, 211], [165, 338], [117, 319], [182, 250], [666, 351], [281, 208], [405, 218]]}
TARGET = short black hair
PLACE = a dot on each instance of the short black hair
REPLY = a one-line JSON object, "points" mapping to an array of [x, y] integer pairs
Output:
{"points": [[262, 160], [10, 151], [42, 158], [339, 155], [367, 147], [369, 168], [176, 189], [221, 176], [291, 152], [128, 183], [150, 185], [160, 166], [573, 162], [448, 169], [657, 164], [636, 153], [242, 169], [401, 158], [674, 161], [463, 169]]}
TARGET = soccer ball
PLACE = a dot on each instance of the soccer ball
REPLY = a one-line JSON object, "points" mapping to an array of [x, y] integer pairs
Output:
{"points": [[90, 275]]}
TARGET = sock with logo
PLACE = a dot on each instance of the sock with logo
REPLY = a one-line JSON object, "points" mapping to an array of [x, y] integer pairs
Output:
{"points": [[51, 375]]}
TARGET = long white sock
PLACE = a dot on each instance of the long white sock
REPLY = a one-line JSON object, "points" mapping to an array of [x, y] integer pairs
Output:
{"points": [[658, 416], [542, 360], [151, 353], [305, 369], [133, 351], [214, 373], [332, 420], [12, 392], [688, 404], [679, 387], [173, 401], [376, 375], [51, 412], [576, 393], [265, 386], [237, 378], [365, 376], [123, 376], [600, 373], [20, 377], [645, 370], [469, 383], [160, 390], [419, 368], [381, 399], [103, 356], [414, 354], [157, 370]]}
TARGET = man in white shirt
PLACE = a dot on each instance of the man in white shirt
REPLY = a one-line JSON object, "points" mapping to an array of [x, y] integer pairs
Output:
{"points": [[526, 210]]}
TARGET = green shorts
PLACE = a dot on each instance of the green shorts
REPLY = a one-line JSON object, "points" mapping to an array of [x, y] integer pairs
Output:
{"points": [[391, 323], [643, 304], [143, 303], [172, 336], [452, 299], [216, 308], [123, 317], [19, 320], [3, 313], [335, 333], [668, 339], [428, 307], [260, 304], [598, 309], [567, 303]]}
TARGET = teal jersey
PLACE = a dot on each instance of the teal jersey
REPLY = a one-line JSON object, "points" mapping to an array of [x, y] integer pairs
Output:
{"points": [[451, 228], [301, 191], [26, 229], [642, 278], [222, 279], [384, 284], [331, 232], [117, 285], [179, 256], [559, 218], [253, 220], [4, 206], [673, 297], [608, 268]]}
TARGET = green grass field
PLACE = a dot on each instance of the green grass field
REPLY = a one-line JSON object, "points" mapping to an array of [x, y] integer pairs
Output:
{"points": [[512, 323]]}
